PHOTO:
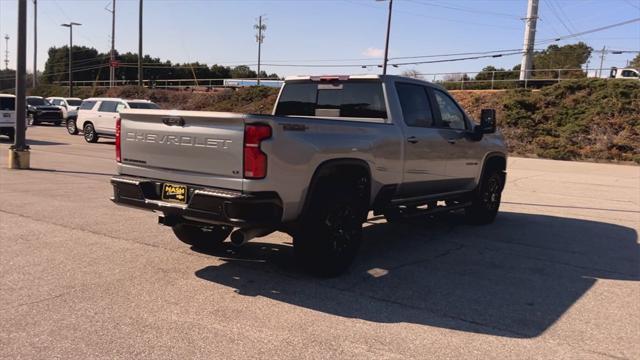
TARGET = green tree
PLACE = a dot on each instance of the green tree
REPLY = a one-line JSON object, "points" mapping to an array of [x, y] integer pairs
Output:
{"points": [[91, 65], [86, 65], [572, 56], [220, 72], [491, 72], [635, 63], [242, 72]]}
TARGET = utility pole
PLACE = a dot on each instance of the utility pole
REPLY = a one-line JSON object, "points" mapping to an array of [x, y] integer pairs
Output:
{"points": [[386, 43], [6, 52], [259, 38], [19, 151], [112, 54], [529, 39], [140, 45], [70, 26], [604, 48], [35, 43]]}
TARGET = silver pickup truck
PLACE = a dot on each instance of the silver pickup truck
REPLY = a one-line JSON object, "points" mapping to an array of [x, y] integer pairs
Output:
{"points": [[334, 148]]}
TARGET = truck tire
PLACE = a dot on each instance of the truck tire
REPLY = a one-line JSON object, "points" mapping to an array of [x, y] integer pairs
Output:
{"points": [[331, 228], [72, 129], [205, 238], [485, 200], [90, 134]]}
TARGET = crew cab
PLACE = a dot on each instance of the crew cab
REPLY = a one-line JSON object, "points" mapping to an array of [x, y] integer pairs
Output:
{"points": [[97, 116], [42, 110], [68, 106], [334, 148]]}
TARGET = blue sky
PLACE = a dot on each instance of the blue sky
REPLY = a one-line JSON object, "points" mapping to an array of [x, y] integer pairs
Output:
{"points": [[312, 32]]}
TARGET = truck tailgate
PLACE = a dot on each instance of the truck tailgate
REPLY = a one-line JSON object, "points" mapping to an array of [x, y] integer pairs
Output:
{"points": [[193, 147]]}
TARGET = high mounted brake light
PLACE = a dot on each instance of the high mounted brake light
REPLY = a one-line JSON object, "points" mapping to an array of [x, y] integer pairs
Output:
{"points": [[118, 141], [255, 161], [330, 78]]}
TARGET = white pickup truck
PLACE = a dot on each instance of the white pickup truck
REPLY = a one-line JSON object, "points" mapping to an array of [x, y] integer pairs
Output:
{"points": [[626, 73], [333, 149]]}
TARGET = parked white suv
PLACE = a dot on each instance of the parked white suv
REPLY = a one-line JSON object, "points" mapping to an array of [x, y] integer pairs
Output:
{"points": [[8, 115], [97, 116], [69, 106]]}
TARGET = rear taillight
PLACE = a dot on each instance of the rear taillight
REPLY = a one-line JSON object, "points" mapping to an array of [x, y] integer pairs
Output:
{"points": [[255, 161], [118, 151]]}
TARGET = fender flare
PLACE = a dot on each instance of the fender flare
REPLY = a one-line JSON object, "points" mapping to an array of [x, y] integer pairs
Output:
{"points": [[325, 168]]}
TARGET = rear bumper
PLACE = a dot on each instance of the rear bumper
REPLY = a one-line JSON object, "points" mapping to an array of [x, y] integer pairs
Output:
{"points": [[204, 205]]}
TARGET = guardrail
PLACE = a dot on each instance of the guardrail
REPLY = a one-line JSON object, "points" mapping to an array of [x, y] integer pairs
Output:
{"points": [[180, 84], [507, 79], [497, 79]]}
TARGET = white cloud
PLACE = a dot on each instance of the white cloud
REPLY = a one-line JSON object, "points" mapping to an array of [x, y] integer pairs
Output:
{"points": [[373, 52]]}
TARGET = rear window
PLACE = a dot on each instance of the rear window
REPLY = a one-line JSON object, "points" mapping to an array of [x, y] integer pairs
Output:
{"points": [[74, 102], [348, 99], [143, 105], [87, 105], [7, 103], [37, 102]]}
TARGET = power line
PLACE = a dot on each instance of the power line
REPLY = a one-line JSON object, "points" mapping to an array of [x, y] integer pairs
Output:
{"points": [[93, 67], [470, 10], [551, 6], [454, 54], [458, 59], [589, 31], [413, 13], [632, 4]]}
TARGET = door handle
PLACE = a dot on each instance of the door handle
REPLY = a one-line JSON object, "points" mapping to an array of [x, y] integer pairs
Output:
{"points": [[412, 139], [451, 141]]}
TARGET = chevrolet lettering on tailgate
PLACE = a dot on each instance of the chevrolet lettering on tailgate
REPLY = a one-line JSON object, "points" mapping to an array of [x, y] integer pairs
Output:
{"points": [[178, 140]]}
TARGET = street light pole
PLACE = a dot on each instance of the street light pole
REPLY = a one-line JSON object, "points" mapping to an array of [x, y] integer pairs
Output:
{"points": [[70, 26], [386, 44], [19, 153], [140, 45], [112, 54], [35, 43], [259, 38]]}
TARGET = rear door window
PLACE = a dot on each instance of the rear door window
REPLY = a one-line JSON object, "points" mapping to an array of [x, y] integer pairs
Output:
{"points": [[108, 106], [414, 101], [87, 105], [340, 99], [143, 105], [7, 103]]}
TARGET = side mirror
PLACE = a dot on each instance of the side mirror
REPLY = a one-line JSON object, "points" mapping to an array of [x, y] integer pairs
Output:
{"points": [[487, 121]]}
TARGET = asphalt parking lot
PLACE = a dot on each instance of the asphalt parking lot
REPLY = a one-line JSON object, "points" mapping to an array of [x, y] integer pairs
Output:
{"points": [[556, 276]]}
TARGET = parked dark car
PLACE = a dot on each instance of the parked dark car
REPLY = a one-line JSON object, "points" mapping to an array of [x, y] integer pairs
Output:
{"points": [[43, 111]]}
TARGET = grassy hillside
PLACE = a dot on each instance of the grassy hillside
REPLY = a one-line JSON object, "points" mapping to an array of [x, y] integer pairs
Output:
{"points": [[588, 119]]}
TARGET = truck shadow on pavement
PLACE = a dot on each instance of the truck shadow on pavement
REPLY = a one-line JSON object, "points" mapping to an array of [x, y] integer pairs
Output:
{"points": [[514, 278]]}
